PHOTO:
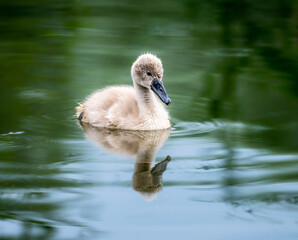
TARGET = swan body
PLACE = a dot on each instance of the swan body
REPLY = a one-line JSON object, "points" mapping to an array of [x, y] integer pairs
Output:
{"points": [[131, 108]]}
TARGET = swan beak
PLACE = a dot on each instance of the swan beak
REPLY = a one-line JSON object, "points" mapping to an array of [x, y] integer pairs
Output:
{"points": [[160, 91]]}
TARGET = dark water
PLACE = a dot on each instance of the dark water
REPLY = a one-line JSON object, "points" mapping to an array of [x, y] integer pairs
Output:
{"points": [[231, 71]]}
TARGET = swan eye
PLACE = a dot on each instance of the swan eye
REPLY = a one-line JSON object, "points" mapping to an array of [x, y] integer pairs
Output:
{"points": [[149, 74]]}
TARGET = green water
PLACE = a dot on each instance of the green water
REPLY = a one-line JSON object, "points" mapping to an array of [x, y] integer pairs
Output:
{"points": [[231, 72]]}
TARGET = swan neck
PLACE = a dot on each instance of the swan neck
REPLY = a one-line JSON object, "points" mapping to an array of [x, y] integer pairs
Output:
{"points": [[145, 98]]}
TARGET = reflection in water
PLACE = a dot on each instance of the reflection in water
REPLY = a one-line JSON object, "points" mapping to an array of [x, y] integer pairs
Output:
{"points": [[143, 144], [148, 181]]}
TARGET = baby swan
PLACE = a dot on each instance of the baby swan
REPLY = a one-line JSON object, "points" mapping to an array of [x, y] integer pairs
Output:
{"points": [[127, 107]]}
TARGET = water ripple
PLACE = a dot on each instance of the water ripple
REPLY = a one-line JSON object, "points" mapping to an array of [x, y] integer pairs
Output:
{"points": [[193, 128], [196, 128], [13, 133]]}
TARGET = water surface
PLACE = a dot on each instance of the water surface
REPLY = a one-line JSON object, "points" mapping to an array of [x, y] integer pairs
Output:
{"points": [[231, 72]]}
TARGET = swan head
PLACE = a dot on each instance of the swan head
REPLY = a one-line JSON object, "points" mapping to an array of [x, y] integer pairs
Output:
{"points": [[147, 72]]}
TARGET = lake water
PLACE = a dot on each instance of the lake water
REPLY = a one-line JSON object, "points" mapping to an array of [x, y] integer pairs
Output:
{"points": [[231, 71]]}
